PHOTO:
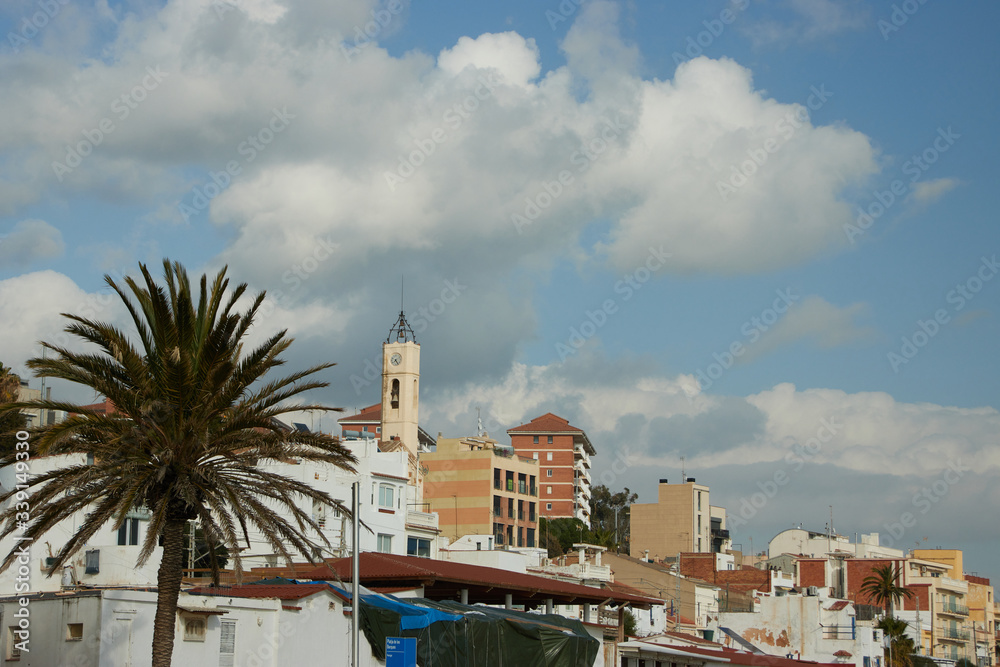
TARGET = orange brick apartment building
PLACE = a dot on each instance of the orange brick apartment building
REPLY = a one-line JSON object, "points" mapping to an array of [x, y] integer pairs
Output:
{"points": [[563, 453]]}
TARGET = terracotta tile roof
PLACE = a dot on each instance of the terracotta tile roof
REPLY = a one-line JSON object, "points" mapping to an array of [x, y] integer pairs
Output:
{"points": [[838, 605], [442, 580], [263, 591], [550, 423], [547, 423], [735, 657], [373, 413]]}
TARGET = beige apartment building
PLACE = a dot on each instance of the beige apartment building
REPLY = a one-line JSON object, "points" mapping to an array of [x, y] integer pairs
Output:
{"points": [[478, 487], [681, 521]]}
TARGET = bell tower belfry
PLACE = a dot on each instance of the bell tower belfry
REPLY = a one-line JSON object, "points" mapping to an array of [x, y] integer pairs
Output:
{"points": [[401, 385]]}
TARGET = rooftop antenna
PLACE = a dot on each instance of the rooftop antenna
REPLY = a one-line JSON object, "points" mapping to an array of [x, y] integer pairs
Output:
{"points": [[479, 420], [683, 475]]}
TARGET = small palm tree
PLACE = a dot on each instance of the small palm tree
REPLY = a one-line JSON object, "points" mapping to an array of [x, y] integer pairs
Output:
{"points": [[884, 587], [901, 647], [194, 418]]}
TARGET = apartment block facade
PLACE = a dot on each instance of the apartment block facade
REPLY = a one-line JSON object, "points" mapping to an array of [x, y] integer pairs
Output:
{"points": [[681, 521], [478, 487], [563, 453]]}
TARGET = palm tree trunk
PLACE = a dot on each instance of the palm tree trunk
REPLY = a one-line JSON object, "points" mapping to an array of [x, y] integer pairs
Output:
{"points": [[168, 581]]}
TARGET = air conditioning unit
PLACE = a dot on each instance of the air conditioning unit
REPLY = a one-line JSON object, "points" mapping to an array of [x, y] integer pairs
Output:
{"points": [[812, 591]]}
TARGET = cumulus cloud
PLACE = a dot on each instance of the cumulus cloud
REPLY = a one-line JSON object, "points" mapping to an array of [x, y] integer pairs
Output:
{"points": [[29, 241]]}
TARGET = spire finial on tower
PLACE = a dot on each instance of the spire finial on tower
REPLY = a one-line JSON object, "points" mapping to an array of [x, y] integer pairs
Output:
{"points": [[402, 329]]}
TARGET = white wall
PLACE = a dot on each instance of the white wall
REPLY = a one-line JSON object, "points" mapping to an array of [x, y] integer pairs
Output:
{"points": [[118, 632], [117, 563]]}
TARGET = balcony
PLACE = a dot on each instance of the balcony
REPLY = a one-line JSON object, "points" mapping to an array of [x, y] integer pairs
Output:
{"points": [[953, 634], [953, 609], [427, 520]]}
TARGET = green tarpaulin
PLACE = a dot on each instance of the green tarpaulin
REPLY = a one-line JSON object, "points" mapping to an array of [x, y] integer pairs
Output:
{"points": [[474, 635]]}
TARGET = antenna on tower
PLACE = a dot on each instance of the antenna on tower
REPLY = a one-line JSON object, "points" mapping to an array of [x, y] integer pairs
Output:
{"points": [[479, 420], [683, 474]]}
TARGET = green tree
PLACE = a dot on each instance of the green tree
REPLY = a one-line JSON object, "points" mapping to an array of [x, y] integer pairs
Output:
{"points": [[606, 508], [559, 535], [883, 586], [195, 417], [11, 421], [629, 623], [901, 649]]}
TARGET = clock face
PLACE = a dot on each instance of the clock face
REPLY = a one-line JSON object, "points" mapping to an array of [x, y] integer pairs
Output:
{"points": [[395, 359]]}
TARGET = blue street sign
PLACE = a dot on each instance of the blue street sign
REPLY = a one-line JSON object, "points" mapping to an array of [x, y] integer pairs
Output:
{"points": [[400, 652]]}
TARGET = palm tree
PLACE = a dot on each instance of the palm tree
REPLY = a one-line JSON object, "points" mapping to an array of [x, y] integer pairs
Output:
{"points": [[883, 586], [194, 418], [901, 647], [10, 421]]}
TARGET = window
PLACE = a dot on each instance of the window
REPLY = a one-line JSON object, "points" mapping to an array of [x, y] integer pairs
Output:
{"points": [[535, 456], [510, 507], [497, 506], [194, 629], [13, 652], [92, 562], [520, 536], [531, 512], [394, 398], [548, 506], [549, 439], [534, 439], [385, 496], [548, 456], [128, 534], [227, 644], [418, 546], [548, 490], [548, 473], [384, 543], [74, 632], [531, 537]]}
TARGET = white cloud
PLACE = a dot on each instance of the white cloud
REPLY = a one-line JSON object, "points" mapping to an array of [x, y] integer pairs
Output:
{"points": [[29, 241], [513, 56], [927, 192]]}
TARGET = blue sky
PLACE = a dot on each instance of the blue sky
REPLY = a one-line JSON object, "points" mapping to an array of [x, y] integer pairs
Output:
{"points": [[739, 141]]}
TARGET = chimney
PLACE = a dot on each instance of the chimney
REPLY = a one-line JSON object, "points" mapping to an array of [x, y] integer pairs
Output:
{"points": [[645, 555]]}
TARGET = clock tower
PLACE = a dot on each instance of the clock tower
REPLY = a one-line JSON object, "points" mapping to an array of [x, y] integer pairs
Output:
{"points": [[401, 385]]}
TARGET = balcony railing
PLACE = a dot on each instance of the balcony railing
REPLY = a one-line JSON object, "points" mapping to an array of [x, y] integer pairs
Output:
{"points": [[954, 609], [954, 633]]}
